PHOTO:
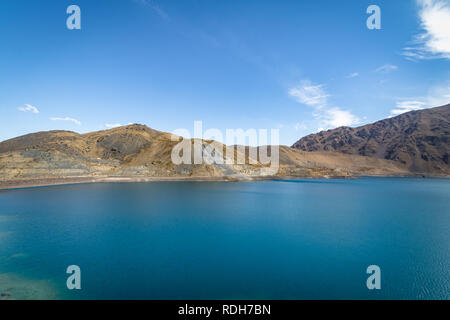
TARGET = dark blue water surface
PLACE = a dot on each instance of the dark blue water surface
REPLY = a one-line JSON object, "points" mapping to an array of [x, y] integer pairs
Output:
{"points": [[305, 239]]}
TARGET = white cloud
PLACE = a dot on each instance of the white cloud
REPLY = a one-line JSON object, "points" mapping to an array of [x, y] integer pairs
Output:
{"points": [[436, 97], [336, 117], [315, 96], [66, 119], [386, 68], [114, 125], [353, 75], [28, 108], [407, 106], [310, 94], [434, 41]]}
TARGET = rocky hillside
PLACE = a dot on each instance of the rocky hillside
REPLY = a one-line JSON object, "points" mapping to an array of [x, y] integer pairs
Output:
{"points": [[136, 151], [419, 140]]}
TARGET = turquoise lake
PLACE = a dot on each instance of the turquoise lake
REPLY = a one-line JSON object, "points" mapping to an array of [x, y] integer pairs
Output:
{"points": [[302, 239]]}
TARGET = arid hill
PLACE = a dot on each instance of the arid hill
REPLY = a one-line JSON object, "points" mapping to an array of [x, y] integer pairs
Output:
{"points": [[419, 140], [136, 152]]}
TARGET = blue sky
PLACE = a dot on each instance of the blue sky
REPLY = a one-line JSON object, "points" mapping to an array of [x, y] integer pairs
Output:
{"points": [[299, 66]]}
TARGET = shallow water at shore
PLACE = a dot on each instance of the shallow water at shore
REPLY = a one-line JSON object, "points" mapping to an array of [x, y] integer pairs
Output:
{"points": [[297, 239], [16, 287]]}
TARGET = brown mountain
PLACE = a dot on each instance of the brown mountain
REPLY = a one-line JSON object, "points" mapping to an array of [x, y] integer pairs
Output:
{"points": [[137, 152], [420, 140]]}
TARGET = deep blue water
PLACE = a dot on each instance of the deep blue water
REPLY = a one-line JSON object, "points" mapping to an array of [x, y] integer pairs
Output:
{"points": [[305, 239]]}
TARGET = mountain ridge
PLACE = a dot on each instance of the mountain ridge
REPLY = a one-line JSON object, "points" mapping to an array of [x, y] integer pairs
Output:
{"points": [[139, 153], [419, 140]]}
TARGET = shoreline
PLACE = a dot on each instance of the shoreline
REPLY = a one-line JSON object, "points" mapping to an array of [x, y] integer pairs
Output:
{"points": [[47, 182]]}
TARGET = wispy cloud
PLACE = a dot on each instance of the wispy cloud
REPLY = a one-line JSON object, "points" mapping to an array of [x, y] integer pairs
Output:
{"points": [[353, 75], [407, 106], [386, 68], [184, 30], [66, 119], [434, 41], [315, 96], [437, 96], [300, 126], [152, 4], [114, 125], [28, 108], [310, 94]]}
